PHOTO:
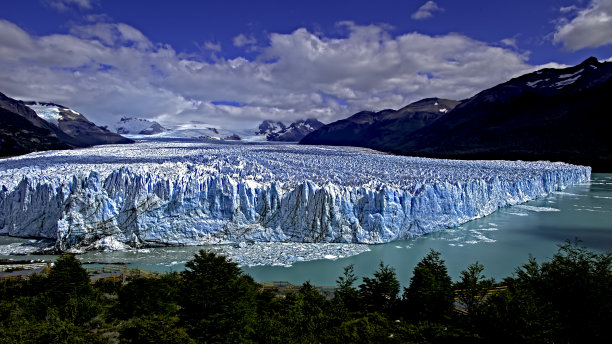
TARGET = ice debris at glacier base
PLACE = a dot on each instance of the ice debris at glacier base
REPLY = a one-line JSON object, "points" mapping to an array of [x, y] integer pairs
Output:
{"points": [[190, 193], [285, 254]]}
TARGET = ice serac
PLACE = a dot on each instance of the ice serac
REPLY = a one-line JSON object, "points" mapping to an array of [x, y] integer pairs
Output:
{"points": [[196, 193]]}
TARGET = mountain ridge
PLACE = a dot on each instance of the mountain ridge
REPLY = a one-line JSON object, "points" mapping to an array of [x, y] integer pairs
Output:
{"points": [[374, 129], [549, 114], [137, 126], [278, 131], [34, 126]]}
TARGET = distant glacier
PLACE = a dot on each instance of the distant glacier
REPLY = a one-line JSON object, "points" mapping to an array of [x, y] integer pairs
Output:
{"points": [[189, 193]]}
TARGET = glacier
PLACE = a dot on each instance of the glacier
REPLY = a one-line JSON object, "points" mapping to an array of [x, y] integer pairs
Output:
{"points": [[192, 193]]}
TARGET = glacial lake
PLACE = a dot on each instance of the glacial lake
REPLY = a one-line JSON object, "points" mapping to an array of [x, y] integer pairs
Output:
{"points": [[501, 241]]}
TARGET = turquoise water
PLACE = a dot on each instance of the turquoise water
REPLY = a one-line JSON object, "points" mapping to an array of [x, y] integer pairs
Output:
{"points": [[501, 241]]}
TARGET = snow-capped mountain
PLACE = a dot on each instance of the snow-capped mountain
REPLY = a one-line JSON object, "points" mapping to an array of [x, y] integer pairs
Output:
{"points": [[72, 127], [203, 132], [137, 126], [278, 131], [266, 131], [34, 126], [19, 136], [198, 193], [269, 127], [550, 114]]}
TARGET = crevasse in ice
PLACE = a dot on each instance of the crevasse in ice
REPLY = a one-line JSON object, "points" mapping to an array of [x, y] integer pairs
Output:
{"points": [[168, 193]]}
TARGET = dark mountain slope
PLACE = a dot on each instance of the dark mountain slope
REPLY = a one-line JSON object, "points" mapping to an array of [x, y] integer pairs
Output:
{"points": [[23, 130], [79, 130], [552, 114], [383, 128], [20, 136]]}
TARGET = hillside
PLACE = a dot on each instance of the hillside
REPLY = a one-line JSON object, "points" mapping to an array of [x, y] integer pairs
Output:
{"points": [[381, 129], [551, 114], [33, 126]]}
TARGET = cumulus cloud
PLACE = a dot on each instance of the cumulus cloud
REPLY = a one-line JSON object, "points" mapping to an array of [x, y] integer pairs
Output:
{"points": [[107, 70], [590, 27], [64, 5], [426, 11]]}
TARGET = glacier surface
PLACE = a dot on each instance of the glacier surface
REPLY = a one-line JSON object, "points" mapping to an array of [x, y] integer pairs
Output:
{"points": [[192, 193]]}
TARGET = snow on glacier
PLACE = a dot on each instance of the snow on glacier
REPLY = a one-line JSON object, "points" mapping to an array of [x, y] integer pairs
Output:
{"points": [[188, 193]]}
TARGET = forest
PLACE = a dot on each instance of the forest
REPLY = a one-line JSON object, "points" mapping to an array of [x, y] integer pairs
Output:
{"points": [[566, 299]]}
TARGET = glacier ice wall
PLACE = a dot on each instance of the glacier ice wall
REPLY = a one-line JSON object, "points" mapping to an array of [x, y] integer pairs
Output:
{"points": [[170, 193]]}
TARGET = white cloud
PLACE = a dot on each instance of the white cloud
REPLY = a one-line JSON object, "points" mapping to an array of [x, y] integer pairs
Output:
{"points": [[568, 9], [426, 11], [106, 70], [511, 42], [64, 5], [212, 46], [242, 40], [591, 27], [112, 34]]}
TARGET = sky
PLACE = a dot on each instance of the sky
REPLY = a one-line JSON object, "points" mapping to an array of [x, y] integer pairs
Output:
{"points": [[232, 64]]}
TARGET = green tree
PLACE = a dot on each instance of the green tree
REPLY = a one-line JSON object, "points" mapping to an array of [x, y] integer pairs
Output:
{"points": [[70, 292], [578, 283], [155, 329], [218, 302], [516, 316], [148, 296], [67, 280], [346, 293], [380, 294], [371, 328], [430, 295], [473, 287], [565, 300]]}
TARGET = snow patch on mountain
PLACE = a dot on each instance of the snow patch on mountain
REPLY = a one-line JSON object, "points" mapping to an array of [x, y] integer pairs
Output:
{"points": [[188, 193], [566, 82], [534, 84], [565, 76], [50, 113], [137, 126]]}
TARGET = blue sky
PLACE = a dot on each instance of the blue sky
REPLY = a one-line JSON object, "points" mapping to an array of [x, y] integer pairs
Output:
{"points": [[237, 63]]}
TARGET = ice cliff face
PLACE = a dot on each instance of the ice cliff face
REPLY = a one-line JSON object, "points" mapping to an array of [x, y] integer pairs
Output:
{"points": [[168, 193]]}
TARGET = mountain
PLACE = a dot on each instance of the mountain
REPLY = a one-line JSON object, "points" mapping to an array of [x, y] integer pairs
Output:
{"points": [[551, 114], [194, 130], [137, 126], [277, 131], [72, 127], [383, 128], [269, 127], [20, 136], [33, 126]]}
